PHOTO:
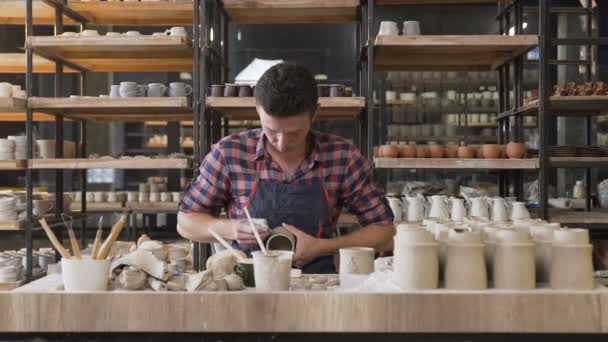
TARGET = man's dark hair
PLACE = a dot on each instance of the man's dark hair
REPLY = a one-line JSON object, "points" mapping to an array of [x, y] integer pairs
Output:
{"points": [[286, 90]]}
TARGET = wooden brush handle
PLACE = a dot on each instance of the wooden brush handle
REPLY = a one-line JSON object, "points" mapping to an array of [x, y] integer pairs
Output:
{"points": [[116, 229], [49, 233], [96, 244], [74, 243]]}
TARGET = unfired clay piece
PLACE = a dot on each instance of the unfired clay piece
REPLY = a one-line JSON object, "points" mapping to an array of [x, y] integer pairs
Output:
{"points": [[132, 278], [177, 283], [222, 263], [202, 281], [143, 238], [157, 285], [145, 261], [221, 285], [234, 282]]}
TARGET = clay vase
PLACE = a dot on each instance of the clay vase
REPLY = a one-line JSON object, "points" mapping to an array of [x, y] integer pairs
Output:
{"points": [[436, 151], [514, 266], [422, 152], [451, 152], [491, 151], [516, 150], [416, 259], [465, 152], [407, 151], [572, 267], [389, 151]]}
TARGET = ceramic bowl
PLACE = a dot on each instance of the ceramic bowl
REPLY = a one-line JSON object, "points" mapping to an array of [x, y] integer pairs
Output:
{"points": [[574, 236]]}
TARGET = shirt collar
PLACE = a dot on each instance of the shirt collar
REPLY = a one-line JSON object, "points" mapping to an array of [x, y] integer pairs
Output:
{"points": [[313, 156]]}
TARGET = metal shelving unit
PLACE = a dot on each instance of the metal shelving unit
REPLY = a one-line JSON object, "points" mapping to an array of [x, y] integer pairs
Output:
{"points": [[104, 54]]}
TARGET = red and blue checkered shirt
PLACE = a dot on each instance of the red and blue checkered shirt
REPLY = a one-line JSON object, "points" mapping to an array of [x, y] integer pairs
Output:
{"points": [[228, 172]]}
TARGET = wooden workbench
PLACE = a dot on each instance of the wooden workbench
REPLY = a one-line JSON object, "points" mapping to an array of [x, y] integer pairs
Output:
{"points": [[539, 311]]}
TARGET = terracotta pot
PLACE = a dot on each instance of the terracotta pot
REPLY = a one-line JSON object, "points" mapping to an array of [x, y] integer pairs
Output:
{"points": [[465, 152], [376, 151], [451, 152], [491, 151], [407, 151], [436, 151], [389, 151], [478, 152], [422, 152], [516, 150], [503, 151]]}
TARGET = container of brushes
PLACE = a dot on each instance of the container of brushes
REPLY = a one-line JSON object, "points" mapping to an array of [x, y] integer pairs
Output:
{"points": [[85, 274]]}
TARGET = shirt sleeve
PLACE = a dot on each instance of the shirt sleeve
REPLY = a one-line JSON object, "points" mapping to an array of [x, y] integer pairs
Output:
{"points": [[208, 193], [360, 196]]}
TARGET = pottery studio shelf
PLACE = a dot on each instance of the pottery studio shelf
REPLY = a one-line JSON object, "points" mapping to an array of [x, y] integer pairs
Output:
{"points": [[19, 225], [456, 164], [291, 11], [578, 162], [115, 109], [434, 2], [117, 54], [12, 105], [574, 219], [128, 164], [153, 208], [331, 108], [449, 52], [566, 106], [8, 165], [167, 13], [13, 13], [93, 207], [15, 63]]}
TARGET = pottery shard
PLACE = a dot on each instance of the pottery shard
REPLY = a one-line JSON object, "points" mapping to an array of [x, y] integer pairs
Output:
{"points": [[202, 281], [132, 278], [150, 245], [143, 238], [177, 283], [222, 263], [157, 285], [234, 282], [145, 261]]}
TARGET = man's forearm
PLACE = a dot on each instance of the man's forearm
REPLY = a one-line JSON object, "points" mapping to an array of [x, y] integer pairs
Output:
{"points": [[195, 226], [377, 237]]}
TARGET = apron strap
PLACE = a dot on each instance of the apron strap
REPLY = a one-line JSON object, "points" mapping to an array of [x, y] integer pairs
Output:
{"points": [[254, 187], [327, 201]]}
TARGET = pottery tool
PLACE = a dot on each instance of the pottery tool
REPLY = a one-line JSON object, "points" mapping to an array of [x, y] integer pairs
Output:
{"points": [[255, 232], [72, 235], [225, 244], [97, 242], [49, 233], [107, 244]]}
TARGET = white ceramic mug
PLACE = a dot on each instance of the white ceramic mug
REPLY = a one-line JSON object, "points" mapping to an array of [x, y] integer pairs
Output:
{"points": [[132, 196], [388, 28], [155, 197], [177, 89], [411, 28], [177, 31], [6, 89], [157, 90], [396, 207], [112, 198], [272, 270], [166, 197], [99, 196], [131, 89], [115, 90]]}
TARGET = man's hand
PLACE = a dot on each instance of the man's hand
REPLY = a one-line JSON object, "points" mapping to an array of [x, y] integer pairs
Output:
{"points": [[307, 247], [244, 236]]}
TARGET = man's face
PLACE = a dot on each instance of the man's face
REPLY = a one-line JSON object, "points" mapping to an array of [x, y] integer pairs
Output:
{"points": [[285, 135]]}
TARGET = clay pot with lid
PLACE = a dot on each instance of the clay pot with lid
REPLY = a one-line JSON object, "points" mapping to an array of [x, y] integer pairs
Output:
{"points": [[435, 150], [422, 152], [389, 151], [516, 150], [491, 151], [465, 152], [407, 151]]}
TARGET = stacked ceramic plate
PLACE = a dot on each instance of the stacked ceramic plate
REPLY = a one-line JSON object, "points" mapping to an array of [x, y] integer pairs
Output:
{"points": [[7, 149], [8, 209], [10, 269], [20, 146]]}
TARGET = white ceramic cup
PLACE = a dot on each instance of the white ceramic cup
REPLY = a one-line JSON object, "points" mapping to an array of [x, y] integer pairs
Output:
{"points": [[89, 33], [115, 90], [131, 89], [132, 196], [176, 195], [6, 89], [112, 198], [388, 28], [85, 274], [166, 197], [411, 28], [99, 196], [178, 89], [155, 197], [132, 33], [272, 270], [143, 197], [357, 262], [157, 90], [177, 31]]}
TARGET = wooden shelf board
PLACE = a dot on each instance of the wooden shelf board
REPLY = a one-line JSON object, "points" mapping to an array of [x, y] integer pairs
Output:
{"points": [[579, 162], [165, 145], [568, 106], [15, 63], [449, 53], [98, 207], [572, 217], [152, 207], [331, 108], [164, 123], [434, 2], [12, 105], [106, 54], [13, 13], [150, 163], [447, 163], [291, 11], [12, 164], [115, 109], [135, 13]]}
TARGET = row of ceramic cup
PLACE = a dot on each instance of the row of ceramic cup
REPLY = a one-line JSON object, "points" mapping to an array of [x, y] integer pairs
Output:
{"points": [[391, 28], [13, 147], [11, 210], [466, 257], [132, 89], [129, 196], [177, 31], [11, 90], [417, 208]]}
